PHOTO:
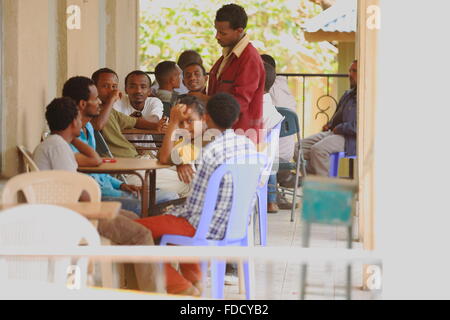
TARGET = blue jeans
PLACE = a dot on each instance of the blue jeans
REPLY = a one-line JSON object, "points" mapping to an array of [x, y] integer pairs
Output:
{"points": [[272, 189], [131, 203]]}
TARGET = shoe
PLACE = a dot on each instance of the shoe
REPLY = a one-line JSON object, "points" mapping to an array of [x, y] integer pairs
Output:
{"points": [[284, 204], [231, 280], [272, 208], [191, 291], [289, 182]]}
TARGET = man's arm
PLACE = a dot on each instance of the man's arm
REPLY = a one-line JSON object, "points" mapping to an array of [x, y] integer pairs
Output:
{"points": [[99, 122], [144, 124], [87, 156]]}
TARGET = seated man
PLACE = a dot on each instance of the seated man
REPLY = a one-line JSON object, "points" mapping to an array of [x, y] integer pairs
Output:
{"points": [[195, 78], [185, 58], [338, 135], [168, 75], [187, 116], [64, 121], [222, 111], [271, 117], [83, 91], [112, 122]]}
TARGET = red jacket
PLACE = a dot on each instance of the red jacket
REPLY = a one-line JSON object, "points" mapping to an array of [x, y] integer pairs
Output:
{"points": [[244, 78]]}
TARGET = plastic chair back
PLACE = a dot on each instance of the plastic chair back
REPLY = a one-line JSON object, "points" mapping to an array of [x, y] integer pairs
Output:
{"points": [[50, 187], [245, 173], [43, 227], [30, 165], [290, 125]]}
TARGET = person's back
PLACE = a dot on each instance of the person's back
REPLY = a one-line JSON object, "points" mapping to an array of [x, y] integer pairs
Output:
{"points": [[54, 153]]}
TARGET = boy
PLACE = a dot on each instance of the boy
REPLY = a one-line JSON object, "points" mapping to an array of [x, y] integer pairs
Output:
{"points": [[222, 112]]}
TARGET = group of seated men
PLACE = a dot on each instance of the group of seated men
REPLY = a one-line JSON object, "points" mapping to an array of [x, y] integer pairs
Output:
{"points": [[90, 106]]}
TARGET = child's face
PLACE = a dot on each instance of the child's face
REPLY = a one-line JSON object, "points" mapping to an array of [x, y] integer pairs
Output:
{"points": [[194, 120]]}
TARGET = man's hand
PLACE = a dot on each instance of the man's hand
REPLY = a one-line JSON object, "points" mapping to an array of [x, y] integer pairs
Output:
{"points": [[180, 113], [185, 173], [326, 127], [114, 96], [131, 188], [163, 125]]}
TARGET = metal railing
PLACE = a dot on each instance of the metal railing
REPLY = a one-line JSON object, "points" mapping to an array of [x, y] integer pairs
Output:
{"points": [[323, 104]]}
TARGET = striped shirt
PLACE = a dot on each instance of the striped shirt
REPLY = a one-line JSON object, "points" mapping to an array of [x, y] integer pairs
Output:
{"points": [[226, 146]]}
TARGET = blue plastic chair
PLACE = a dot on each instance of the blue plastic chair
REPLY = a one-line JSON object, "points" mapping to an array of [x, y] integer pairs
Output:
{"points": [[289, 127], [272, 140], [334, 164], [246, 173]]}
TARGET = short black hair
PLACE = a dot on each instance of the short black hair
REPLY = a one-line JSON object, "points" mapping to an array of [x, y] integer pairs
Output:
{"points": [[223, 109], [269, 59], [96, 75], [270, 76], [196, 64], [138, 73], [234, 14], [78, 89], [192, 102], [188, 57], [164, 70], [60, 113]]}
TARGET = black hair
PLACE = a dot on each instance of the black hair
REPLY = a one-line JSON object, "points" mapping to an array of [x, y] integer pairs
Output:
{"points": [[188, 57], [223, 109], [270, 60], [234, 14], [196, 64], [138, 73], [164, 70], [96, 75], [60, 113], [192, 102], [78, 89], [270, 76]]}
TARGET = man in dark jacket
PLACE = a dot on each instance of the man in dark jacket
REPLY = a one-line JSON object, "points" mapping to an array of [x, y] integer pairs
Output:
{"points": [[338, 135]]}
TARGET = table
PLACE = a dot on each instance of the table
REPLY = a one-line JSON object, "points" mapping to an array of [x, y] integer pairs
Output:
{"points": [[89, 210], [133, 166]]}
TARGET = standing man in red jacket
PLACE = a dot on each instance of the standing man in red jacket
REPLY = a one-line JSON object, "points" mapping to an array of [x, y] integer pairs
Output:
{"points": [[240, 70]]}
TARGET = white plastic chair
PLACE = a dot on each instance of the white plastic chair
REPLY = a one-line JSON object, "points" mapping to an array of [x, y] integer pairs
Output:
{"points": [[43, 227], [30, 165], [50, 187], [56, 187]]}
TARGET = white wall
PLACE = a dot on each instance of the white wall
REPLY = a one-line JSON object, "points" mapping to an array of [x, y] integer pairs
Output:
{"points": [[412, 149]]}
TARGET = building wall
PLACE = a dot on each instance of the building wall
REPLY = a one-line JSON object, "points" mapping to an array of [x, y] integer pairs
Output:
{"points": [[40, 54]]}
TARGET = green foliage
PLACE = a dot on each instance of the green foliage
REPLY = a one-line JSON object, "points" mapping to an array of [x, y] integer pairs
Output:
{"points": [[170, 26]]}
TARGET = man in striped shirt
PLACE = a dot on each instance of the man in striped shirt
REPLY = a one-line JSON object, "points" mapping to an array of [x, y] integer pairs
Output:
{"points": [[222, 112]]}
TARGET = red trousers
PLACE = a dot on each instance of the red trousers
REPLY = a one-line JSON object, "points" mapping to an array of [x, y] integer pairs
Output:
{"points": [[168, 224]]}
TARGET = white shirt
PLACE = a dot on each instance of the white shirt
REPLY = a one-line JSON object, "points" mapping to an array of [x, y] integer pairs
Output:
{"points": [[55, 154], [153, 107], [271, 117], [282, 97]]}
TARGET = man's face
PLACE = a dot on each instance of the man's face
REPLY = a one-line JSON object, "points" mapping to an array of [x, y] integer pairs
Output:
{"points": [[353, 75], [92, 106], [194, 79], [225, 35], [138, 89], [189, 124], [107, 82]]}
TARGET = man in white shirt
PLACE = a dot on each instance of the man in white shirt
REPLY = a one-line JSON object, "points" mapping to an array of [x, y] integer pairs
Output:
{"points": [[137, 103]]}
